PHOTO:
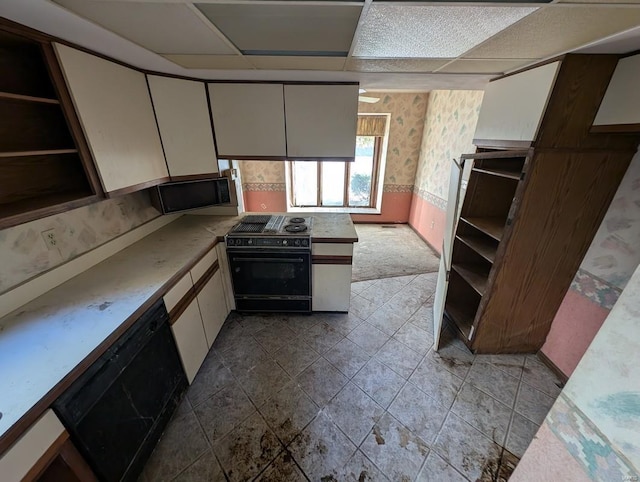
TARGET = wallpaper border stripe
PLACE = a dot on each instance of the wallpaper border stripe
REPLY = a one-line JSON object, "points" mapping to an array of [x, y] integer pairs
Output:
{"points": [[595, 289]]}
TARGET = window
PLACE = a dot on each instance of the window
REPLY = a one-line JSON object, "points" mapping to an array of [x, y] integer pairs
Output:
{"points": [[341, 184]]}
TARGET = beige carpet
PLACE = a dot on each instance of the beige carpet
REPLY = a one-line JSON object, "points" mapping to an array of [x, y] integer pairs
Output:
{"points": [[384, 251]]}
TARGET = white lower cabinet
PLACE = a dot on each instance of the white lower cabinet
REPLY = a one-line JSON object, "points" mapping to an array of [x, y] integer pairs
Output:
{"points": [[331, 287], [213, 307], [189, 334]]}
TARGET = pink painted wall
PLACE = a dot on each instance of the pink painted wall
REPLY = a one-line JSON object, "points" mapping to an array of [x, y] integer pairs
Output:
{"points": [[273, 201], [613, 256], [573, 329], [395, 209], [548, 460], [428, 220]]}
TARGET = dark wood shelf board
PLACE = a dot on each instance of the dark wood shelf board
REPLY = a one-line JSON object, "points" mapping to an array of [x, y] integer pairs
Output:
{"points": [[497, 154], [28, 98], [616, 129], [48, 152], [483, 247], [493, 227], [29, 209], [499, 172], [462, 321], [476, 280]]}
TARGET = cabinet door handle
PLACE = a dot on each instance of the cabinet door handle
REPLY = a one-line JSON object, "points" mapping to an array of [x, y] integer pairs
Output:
{"points": [[270, 260]]}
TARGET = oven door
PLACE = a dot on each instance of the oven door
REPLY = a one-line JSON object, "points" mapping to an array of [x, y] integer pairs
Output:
{"points": [[273, 273]]}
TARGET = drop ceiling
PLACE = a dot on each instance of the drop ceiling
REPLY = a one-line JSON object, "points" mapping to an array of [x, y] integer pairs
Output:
{"points": [[396, 45]]}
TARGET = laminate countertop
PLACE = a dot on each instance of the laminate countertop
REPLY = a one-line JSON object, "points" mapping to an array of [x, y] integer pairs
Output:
{"points": [[44, 343]]}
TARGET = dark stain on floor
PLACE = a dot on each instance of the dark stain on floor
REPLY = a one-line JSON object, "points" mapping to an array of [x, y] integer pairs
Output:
{"points": [[499, 468], [378, 435], [105, 305]]}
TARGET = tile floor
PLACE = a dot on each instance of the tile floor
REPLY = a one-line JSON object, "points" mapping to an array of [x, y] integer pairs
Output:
{"points": [[357, 397]]}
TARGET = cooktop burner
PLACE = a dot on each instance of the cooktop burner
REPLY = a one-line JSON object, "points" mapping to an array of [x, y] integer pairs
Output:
{"points": [[295, 228], [297, 220]]}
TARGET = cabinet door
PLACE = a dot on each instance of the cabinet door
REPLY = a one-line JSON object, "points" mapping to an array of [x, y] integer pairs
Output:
{"points": [[182, 113], [189, 334], [512, 107], [331, 287], [321, 120], [212, 307], [621, 102], [115, 110], [453, 212], [248, 120]]}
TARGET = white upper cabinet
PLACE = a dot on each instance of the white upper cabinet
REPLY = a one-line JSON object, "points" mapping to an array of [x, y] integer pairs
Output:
{"points": [[182, 113], [512, 107], [321, 120], [248, 120], [621, 102], [115, 110]]}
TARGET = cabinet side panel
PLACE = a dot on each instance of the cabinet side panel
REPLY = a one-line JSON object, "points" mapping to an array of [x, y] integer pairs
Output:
{"points": [[115, 110], [564, 201]]}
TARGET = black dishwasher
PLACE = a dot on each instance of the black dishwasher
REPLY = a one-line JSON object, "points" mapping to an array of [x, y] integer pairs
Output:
{"points": [[117, 410]]}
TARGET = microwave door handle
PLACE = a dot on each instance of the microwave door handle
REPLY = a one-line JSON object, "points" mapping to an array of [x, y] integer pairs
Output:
{"points": [[270, 260]]}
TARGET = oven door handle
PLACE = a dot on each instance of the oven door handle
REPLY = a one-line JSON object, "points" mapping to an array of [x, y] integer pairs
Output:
{"points": [[270, 260]]}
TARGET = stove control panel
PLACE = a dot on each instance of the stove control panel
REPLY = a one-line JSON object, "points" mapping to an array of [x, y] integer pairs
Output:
{"points": [[268, 242]]}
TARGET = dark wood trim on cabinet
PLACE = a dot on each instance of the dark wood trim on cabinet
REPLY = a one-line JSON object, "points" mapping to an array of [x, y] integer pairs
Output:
{"points": [[137, 187], [630, 54], [155, 117], [28, 98], [616, 129], [74, 463], [190, 295], [334, 240], [500, 144], [331, 259], [37, 153], [196, 177], [252, 158], [553, 367], [73, 121]]}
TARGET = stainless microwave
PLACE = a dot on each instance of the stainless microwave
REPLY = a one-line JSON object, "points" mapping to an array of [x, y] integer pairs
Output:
{"points": [[172, 197]]}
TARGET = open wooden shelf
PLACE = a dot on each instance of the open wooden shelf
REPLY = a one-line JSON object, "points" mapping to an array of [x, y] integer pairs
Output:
{"points": [[484, 247], [506, 173], [28, 98], [38, 153], [473, 276], [461, 320], [491, 226]]}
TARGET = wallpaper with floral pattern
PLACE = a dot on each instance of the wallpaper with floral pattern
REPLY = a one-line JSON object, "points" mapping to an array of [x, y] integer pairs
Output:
{"points": [[448, 132], [405, 134], [25, 255]]}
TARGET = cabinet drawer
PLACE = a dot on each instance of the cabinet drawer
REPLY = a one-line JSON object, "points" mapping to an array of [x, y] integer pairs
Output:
{"points": [[203, 265], [24, 454], [335, 249], [175, 294]]}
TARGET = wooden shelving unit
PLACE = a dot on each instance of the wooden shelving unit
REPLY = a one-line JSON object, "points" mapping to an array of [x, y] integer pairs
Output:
{"points": [[43, 168], [533, 204], [492, 188]]}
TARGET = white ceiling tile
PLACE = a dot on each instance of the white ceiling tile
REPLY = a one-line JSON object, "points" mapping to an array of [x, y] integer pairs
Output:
{"points": [[395, 65], [277, 27], [296, 63], [430, 31], [221, 62], [482, 66], [165, 28], [556, 29]]}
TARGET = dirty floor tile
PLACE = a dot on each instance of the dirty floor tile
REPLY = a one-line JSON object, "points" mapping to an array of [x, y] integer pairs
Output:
{"points": [[379, 382], [321, 448], [347, 357], [394, 449], [418, 411], [248, 449], [321, 381]]}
